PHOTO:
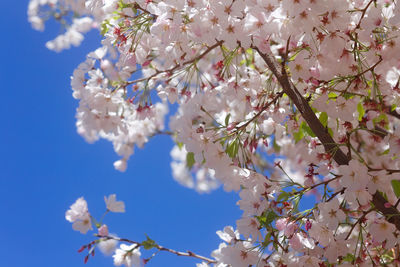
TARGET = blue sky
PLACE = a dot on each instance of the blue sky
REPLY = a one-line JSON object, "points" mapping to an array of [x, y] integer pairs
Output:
{"points": [[46, 166]]}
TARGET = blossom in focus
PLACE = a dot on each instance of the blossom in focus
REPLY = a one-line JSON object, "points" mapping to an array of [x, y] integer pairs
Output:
{"points": [[103, 230], [205, 57], [79, 215], [113, 205]]}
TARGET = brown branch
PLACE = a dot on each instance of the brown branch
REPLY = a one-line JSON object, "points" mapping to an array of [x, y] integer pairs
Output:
{"points": [[316, 185], [394, 113], [161, 248], [190, 61], [302, 106], [137, 6], [359, 221], [363, 11], [391, 214], [267, 105]]}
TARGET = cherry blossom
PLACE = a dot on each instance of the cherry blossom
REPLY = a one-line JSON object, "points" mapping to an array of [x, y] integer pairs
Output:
{"points": [[312, 84], [79, 215], [127, 255], [113, 205]]}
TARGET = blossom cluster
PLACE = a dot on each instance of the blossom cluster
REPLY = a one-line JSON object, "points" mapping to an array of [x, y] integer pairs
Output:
{"points": [[245, 76]]}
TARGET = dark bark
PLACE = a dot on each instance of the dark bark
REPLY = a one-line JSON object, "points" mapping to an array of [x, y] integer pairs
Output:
{"points": [[391, 214]]}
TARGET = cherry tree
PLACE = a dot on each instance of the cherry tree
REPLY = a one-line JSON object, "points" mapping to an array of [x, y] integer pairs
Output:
{"points": [[312, 83]]}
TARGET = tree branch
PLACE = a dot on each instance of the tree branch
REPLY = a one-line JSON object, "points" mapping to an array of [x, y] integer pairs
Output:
{"points": [[190, 61], [391, 214], [305, 110], [161, 248]]}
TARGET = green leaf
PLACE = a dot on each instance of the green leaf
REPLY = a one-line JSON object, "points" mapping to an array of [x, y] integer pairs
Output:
{"points": [[330, 132], [149, 243], [276, 147], [104, 29], [385, 152], [190, 160], [348, 96], [361, 111], [323, 118], [396, 187], [267, 240], [229, 149], [270, 217], [296, 202], [298, 135], [227, 119], [123, 5], [261, 219], [349, 257], [307, 129], [332, 95], [179, 144], [283, 196], [233, 148], [267, 218], [236, 150], [382, 118]]}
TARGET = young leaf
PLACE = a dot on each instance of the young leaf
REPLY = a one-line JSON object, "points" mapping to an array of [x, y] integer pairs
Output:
{"points": [[232, 148], [277, 148], [270, 217], [361, 111], [283, 196], [179, 144], [298, 135], [190, 160], [148, 243], [323, 118], [227, 119], [307, 129], [396, 187]]}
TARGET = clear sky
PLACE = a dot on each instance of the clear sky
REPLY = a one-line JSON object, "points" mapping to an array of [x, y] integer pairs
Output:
{"points": [[45, 166]]}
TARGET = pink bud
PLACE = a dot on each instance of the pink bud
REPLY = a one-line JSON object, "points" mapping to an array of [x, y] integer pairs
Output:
{"points": [[103, 230], [146, 63], [253, 145], [387, 205], [200, 130], [231, 126], [265, 142], [82, 249], [308, 225]]}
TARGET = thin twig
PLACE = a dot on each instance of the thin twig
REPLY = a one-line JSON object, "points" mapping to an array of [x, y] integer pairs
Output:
{"points": [[261, 111], [357, 222], [190, 61], [391, 214], [162, 248]]}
